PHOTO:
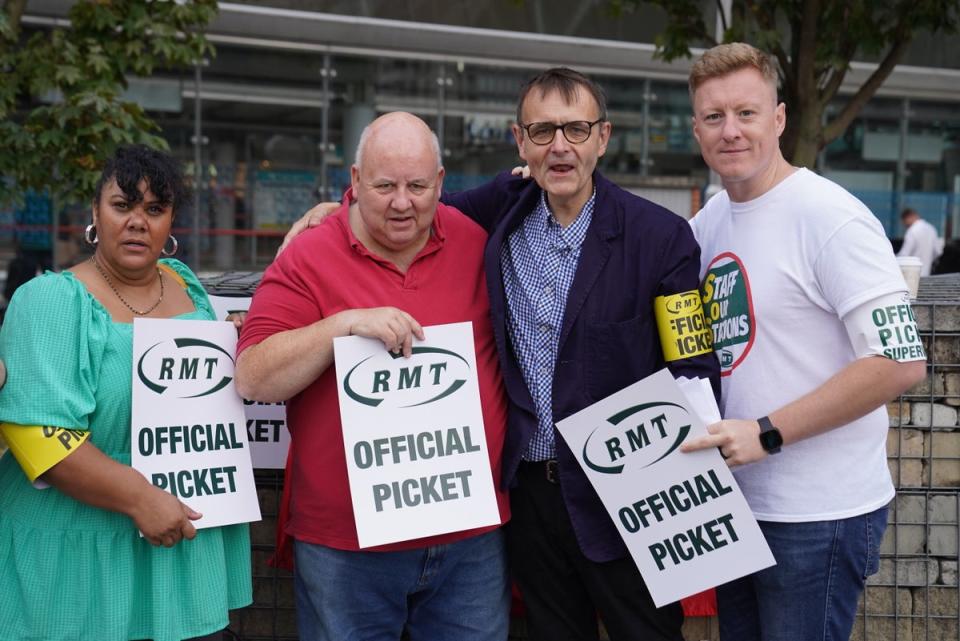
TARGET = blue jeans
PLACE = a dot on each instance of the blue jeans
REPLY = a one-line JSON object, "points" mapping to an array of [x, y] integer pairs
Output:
{"points": [[456, 592], [812, 592]]}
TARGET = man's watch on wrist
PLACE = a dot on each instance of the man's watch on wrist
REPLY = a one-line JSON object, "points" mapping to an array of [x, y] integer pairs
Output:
{"points": [[770, 437]]}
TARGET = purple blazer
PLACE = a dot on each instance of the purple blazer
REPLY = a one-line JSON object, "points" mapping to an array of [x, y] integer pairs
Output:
{"points": [[634, 251]]}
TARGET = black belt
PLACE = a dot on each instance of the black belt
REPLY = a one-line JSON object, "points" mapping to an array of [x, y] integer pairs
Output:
{"points": [[547, 469]]}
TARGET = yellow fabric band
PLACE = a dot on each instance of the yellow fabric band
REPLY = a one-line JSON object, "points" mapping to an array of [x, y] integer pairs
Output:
{"points": [[172, 274], [684, 332], [37, 448]]}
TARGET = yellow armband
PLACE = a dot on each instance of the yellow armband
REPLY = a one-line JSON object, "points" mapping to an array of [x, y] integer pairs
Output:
{"points": [[37, 448], [684, 332]]}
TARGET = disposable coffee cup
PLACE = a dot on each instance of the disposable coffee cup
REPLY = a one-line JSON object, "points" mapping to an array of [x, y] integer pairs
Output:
{"points": [[910, 268]]}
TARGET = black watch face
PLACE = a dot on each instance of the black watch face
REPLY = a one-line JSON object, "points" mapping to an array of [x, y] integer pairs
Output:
{"points": [[771, 439]]}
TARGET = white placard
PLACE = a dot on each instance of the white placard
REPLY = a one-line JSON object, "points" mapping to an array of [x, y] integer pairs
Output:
{"points": [[188, 431], [267, 430], [413, 437], [682, 516]]}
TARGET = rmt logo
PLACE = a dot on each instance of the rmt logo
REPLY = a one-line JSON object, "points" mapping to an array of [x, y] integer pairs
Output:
{"points": [[187, 367], [429, 375]]}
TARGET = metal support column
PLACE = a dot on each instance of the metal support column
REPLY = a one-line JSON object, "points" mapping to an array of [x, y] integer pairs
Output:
{"points": [[645, 130], [197, 163], [902, 159], [443, 81], [325, 74]]}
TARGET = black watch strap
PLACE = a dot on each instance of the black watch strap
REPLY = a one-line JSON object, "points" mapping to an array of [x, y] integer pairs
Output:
{"points": [[770, 437]]}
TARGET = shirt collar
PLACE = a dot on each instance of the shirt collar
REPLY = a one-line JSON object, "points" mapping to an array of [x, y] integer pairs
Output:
{"points": [[574, 234]]}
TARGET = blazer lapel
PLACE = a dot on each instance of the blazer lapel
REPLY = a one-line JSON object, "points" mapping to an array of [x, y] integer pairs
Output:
{"points": [[513, 377], [593, 255]]}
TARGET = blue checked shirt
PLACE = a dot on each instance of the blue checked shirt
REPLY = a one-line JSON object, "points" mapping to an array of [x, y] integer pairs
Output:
{"points": [[538, 262]]}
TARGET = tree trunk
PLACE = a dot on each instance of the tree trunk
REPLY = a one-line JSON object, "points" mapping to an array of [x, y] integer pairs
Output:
{"points": [[806, 133], [14, 10], [805, 153]]}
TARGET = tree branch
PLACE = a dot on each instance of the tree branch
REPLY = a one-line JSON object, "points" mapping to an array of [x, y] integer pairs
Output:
{"points": [[723, 16], [806, 49], [14, 10], [829, 90], [850, 110]]}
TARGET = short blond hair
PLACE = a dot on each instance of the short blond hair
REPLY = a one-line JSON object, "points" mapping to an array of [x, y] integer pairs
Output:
{"points": [[728, 58]]}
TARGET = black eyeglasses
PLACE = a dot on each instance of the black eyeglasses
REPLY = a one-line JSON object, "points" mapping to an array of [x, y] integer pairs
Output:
{"points": [[575, 131]]}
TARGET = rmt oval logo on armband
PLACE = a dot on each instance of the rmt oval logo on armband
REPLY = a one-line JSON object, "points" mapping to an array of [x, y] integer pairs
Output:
{"points": [[185, 368], [640, 435], [429, 375]]}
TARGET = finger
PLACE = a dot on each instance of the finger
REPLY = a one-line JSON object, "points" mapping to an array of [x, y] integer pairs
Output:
{"points": [[188, 531], [390, 340], [292, 233], [715, 428], [415, 327], [517, 171], [321, 211], [701, 443], [407, 345], [191, 513]]}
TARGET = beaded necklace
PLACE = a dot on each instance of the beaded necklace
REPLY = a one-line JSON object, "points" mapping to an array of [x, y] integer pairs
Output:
{"points": [[122, 300]]}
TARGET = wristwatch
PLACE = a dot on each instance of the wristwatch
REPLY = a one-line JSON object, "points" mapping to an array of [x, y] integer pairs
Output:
{"points": [[770, 437]]}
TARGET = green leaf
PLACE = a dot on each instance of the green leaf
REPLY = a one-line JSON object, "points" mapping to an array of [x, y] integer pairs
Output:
{"points": [[60, 146]]}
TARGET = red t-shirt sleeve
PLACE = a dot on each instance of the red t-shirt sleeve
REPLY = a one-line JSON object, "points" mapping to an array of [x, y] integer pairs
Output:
{"points": [[284, 300]]}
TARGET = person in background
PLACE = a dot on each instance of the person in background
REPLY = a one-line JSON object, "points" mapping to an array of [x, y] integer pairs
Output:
{"points": [[814, 331], [920, 240], [65, 410]]}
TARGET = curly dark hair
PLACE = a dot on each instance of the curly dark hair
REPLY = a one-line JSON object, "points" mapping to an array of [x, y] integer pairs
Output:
{"points": [[132, 163]]}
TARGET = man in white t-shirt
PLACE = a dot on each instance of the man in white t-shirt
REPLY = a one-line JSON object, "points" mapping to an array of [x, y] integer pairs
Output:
{"points": [[920, 240], [814, 332]]}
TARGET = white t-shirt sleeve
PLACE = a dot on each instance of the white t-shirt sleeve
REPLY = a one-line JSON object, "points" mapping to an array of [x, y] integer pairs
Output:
{"points": [[885, 326], [856, 264]]}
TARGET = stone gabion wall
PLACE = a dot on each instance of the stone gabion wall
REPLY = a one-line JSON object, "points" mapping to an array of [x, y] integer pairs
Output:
{"points": [[914, 596]]}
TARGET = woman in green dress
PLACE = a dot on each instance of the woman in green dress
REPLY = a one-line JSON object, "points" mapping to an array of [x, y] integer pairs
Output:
{"points": [[72, 562]]}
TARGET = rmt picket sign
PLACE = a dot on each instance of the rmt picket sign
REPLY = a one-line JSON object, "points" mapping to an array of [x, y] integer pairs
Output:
{"points": [[682, 516], [188, 429], [413, 437]]}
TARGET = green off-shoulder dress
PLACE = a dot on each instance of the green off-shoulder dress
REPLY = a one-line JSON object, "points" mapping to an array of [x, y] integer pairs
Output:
{"points": [[69, 571]]}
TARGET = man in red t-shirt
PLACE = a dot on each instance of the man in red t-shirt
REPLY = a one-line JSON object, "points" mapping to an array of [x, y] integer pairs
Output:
{"points": [[381, 267]]}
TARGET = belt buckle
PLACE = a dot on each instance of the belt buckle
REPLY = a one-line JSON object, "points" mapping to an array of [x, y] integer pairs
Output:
{"points": [[552, 471]]}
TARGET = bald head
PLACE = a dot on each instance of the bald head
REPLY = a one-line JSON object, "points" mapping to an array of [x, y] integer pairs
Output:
{"points": [[397, 126], [397, 180]]}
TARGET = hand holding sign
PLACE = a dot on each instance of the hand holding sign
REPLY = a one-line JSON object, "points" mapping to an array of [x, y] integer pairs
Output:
{"points": [[737, 440], [394, 327], [163, 519]]}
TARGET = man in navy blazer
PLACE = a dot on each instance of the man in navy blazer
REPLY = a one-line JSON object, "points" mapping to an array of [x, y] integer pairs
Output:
{"points": [[573, 266]]}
